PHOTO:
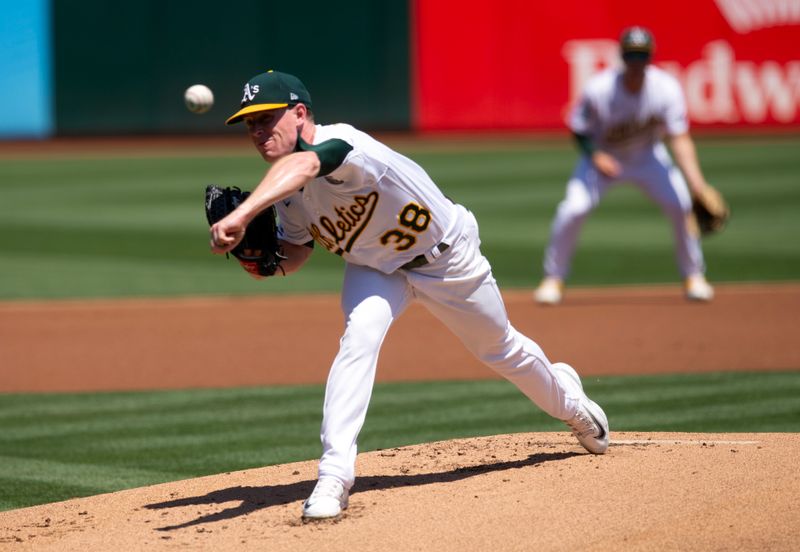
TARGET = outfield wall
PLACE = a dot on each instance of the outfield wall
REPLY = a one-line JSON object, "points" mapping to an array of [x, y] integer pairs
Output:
{"points": [[521, 66], [97, 68], [26, 90], [123, 67]]}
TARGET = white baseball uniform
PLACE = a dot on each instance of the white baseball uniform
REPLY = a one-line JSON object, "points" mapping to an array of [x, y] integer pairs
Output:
{"points": [[379, 210], [630, 127]]}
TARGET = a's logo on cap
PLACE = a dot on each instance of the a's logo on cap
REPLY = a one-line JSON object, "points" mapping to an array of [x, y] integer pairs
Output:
{"points": [[637, 37], [249, 92]]}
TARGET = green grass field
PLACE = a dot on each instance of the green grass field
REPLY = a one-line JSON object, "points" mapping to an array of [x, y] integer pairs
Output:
{"points": [[95, 226], [54, 447], [134, 226]]}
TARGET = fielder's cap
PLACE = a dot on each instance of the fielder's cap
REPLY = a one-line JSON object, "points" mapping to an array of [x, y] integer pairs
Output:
{"points": [[636, 43], [270, 90]]}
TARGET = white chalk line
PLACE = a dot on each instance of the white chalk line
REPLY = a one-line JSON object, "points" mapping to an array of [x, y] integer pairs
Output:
{"points": [[679, 442]]}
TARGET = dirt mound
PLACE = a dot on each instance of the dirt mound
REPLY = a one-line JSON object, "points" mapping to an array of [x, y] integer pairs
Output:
{"points": [[531, 491]]}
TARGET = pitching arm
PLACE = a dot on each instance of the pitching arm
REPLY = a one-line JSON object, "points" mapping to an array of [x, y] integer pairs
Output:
{"points": [[284, 178]]}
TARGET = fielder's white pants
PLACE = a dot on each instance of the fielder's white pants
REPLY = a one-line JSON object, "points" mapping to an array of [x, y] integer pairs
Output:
{"points": [[651, 170], [459, 289]]}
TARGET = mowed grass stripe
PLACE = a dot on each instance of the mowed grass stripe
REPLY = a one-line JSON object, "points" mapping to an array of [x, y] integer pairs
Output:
{"points": [[693, 387], [89, 443], [193, 421], [102, 476], [747, 416], [133, 227], [724, 402], [65, 404], [19, 493]]}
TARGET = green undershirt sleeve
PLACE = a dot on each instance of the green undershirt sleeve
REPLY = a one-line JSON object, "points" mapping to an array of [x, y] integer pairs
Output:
{"points": [[331, 153]]}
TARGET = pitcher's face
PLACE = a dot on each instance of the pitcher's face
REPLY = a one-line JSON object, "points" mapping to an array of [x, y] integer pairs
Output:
{"points": [[274, 132]]}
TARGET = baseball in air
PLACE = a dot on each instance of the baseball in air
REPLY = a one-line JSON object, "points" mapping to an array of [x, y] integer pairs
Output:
{"points": [[198, 98]]}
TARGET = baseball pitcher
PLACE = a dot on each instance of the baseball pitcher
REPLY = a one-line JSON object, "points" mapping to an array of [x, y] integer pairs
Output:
{"points": [[336, 188]]}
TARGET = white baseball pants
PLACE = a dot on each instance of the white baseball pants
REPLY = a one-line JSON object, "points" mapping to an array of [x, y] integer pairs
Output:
{"points": [[459, 289], [651, 170]]}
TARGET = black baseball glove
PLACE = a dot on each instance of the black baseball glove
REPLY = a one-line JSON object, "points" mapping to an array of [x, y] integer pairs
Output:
{"points": [[259, 252]]}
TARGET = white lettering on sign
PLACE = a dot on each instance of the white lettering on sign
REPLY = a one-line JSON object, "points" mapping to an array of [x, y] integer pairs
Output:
{"points": [[749, 15], [718, 88], [585, 58]]}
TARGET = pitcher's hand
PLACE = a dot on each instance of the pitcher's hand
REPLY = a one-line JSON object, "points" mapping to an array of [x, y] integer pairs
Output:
{"points": [[226, 234]]}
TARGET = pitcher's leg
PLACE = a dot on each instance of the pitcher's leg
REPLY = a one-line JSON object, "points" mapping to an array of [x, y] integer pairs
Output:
{"points": [[482, 325], [371, 301], [460, 290], [463, 294]]}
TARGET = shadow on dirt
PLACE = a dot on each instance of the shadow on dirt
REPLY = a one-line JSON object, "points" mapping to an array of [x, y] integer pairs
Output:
{"points": [[257, 498]]}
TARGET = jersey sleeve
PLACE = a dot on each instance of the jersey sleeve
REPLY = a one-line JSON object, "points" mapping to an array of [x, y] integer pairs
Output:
{"points": [[292, 224], [676, 119], [361, 163]]}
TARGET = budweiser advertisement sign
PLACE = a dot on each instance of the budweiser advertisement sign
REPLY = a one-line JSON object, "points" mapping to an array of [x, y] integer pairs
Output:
{"points": [[521, 65]]}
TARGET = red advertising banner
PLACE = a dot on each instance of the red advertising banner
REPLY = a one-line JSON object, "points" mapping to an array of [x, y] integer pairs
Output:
{"points": [[519, 64]]}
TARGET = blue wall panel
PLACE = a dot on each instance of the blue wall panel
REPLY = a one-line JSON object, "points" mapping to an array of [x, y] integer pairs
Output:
{"points": [[26, 92]]}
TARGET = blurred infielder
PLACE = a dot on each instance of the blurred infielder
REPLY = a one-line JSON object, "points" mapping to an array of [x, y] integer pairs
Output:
{"points": [[401, 240], [618, 124]]}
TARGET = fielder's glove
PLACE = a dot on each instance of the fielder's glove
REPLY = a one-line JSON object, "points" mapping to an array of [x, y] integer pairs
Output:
{"points": [[710, 210], [259, 252]]}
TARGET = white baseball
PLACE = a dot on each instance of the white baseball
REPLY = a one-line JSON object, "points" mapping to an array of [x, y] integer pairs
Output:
{"points": [[198, 98]]}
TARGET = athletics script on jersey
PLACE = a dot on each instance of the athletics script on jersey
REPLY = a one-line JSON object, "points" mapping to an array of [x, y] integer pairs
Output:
{"points": [[348, 225], [339, 234], [625, 131]]}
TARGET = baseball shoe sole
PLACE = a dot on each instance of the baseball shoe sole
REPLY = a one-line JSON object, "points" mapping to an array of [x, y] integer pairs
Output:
{"points": [[327, 500], [589, 424]]}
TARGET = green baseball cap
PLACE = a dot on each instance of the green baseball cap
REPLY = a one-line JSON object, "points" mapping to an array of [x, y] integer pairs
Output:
{"points": [[270, 90], [636, 43]]}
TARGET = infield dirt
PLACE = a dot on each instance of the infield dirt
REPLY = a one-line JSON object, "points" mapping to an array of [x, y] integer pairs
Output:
{"points": [[131, 344], [532, 491]]}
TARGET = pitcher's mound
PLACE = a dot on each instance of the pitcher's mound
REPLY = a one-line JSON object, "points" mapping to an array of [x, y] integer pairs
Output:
{"points": [[527, 491]]}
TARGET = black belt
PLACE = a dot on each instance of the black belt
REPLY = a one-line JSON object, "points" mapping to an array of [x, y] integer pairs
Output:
{"points": [[421, 260]]}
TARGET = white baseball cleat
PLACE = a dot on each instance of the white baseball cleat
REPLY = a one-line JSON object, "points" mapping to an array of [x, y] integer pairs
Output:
{"points": [[698, 289], [327, 500], [549, 291], [589, 424]]}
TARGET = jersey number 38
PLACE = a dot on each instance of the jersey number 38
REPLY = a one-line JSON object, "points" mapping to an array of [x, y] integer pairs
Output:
{"points": [[413, 218]]}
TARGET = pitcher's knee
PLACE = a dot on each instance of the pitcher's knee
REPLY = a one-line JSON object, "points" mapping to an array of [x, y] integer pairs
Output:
{"points": [[363, 337], [511, 355]]}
